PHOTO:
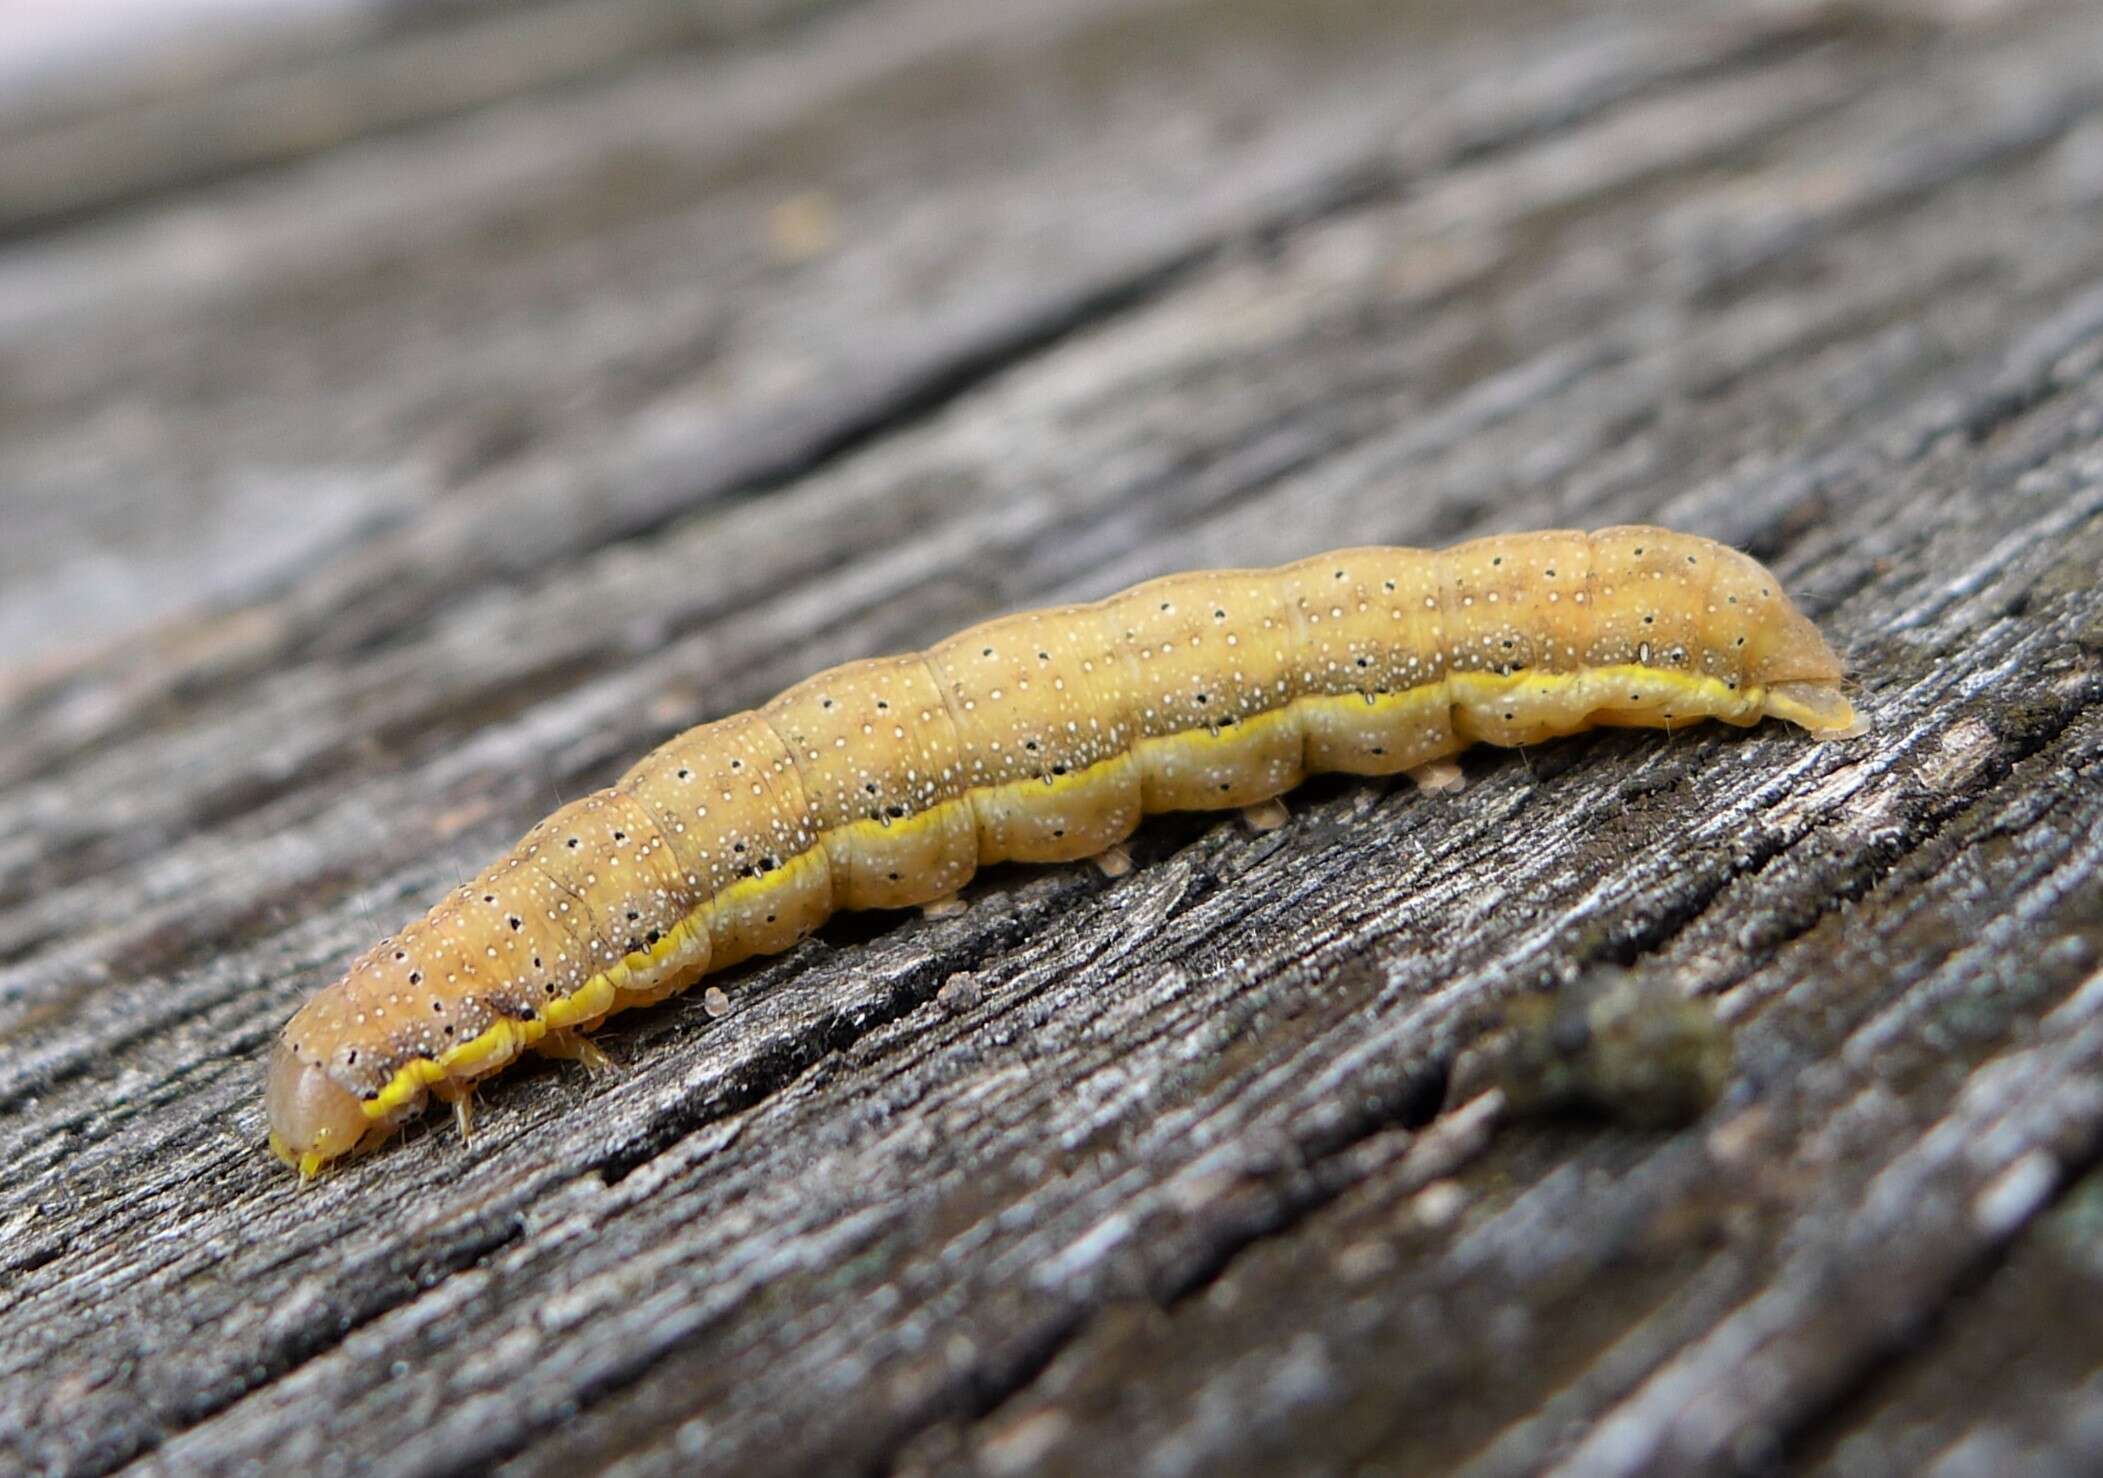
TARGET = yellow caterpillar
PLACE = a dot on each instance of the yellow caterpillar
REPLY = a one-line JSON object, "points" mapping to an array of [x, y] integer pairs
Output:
{"points": [[1041, 737]]}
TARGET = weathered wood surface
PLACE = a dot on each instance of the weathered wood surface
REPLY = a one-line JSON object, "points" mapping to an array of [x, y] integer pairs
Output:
{"points": [[371, 478]]}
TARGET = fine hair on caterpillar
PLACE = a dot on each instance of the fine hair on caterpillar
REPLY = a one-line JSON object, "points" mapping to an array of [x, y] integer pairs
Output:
{"points": [[1039, 737]]}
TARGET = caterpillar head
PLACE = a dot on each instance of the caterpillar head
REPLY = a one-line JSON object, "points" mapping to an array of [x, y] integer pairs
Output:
{"points": [[313, 1118]]}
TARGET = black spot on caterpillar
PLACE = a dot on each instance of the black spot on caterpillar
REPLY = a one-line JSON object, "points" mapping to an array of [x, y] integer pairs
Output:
{"points": [[1040, 737]]}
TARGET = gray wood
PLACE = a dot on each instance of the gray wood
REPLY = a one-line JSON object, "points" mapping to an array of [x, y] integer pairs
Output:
{"points": [[364, 496]]}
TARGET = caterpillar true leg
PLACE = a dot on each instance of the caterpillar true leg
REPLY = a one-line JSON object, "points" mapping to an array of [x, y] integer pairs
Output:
{"points": [[571, 1047], [462, 1097]]}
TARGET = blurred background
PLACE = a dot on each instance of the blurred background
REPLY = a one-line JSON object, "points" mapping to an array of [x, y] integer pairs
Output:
{"points": [[299, 294], [281, 283]]}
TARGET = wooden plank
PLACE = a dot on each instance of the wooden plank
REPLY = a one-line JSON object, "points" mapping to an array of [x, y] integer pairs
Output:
{"points": [[1186, 1172]]}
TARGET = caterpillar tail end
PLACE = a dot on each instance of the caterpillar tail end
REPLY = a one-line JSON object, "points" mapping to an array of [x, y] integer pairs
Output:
{"points": [[1819, 707]]}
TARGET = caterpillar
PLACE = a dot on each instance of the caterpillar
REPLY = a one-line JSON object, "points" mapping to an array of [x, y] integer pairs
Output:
{"points": [[1039, 737]]}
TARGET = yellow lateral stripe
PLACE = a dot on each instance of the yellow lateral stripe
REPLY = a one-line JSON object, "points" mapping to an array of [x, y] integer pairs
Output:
{"points": [[598, 994], [746, 888], [1710, 690]]}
